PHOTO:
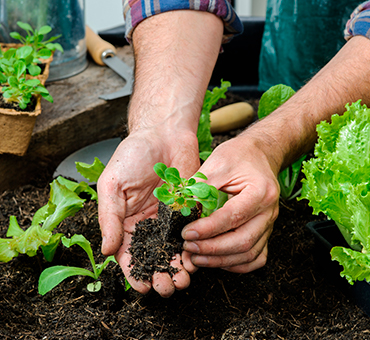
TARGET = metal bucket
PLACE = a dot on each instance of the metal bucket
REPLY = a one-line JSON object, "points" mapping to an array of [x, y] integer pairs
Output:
{"points": [[65, 17]]}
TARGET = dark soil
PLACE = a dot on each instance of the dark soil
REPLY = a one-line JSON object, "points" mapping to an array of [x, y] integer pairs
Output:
{"points": [[289, 298], [156, 241], [11, 105]]}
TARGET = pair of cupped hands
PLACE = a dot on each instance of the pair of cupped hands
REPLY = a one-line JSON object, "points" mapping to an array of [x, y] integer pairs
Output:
{"points": [[233, 238]]}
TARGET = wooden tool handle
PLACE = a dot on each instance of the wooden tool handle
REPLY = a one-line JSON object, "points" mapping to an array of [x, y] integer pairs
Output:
{"points": [[230, 117], [97, 46]]}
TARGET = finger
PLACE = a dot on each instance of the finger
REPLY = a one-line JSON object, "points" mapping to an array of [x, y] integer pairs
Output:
{"points": [[236, 241], [186, 262], [225, 261], [258, 263], [181, 279], [163, 284], [111, 210], [236, 211], [123, 259]]}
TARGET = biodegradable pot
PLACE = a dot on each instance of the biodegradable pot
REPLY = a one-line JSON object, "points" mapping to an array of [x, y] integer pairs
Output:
{"points": [[327, 236], [45, 62], [16, 129]]}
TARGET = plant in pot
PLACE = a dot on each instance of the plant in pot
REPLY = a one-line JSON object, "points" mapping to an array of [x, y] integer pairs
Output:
{"points": [[20, 104], [337, 184]]}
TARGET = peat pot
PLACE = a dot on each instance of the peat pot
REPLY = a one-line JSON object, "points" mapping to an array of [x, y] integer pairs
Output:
{"points": [[327, 236]]}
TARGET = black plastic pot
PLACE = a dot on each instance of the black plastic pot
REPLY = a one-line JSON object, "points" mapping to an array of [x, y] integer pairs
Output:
{"points": [[327, 236]]}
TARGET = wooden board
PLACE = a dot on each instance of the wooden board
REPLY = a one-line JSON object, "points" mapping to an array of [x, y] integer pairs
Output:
{"points": [[76, 118]]}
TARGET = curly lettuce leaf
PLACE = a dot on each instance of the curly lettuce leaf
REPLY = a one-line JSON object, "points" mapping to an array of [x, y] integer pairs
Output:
{"points": [[204, 128], [91, 172], [337, 184]]}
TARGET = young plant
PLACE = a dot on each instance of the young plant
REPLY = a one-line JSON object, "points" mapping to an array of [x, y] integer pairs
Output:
{"points": [[42, 49], [337, 184], [269, 102], [12, 56], [19, 90], [52, 276], [183, 194]]}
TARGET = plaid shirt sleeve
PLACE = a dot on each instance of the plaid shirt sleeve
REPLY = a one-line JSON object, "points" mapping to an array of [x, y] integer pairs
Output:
{"points": [[359, 22], [137, 10]]}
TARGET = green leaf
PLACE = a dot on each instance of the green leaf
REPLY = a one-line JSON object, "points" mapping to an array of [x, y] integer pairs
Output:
{"points": [[94, 287], [160, 169], [44, 53], [14, 228], [78, 188], [3, 78], [63, 203], [83, 243], [185, 211], [34, 70], [172, 175], [32, 82], [200, 189], [273, 98], [48, 97], [23, 52], [200, 175], [15, 35], [50, 248], [52, 276], [44, 30], [24, 26], [164, 195], [7, 251], [92, 171]]}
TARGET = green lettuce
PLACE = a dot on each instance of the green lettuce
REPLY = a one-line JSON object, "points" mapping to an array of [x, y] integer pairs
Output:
{"points": [[337, 184]]}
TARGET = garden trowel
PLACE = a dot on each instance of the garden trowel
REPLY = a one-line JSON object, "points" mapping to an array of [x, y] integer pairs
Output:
{"points": [[103, 54]]}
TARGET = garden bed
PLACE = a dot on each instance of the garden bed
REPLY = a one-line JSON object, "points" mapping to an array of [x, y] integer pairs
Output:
{"points": [[286, 299]]}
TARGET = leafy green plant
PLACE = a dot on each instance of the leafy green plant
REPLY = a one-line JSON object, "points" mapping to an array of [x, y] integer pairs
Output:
{"points": [[337, 184], [42, 49], [20, 90], [269, 102], [204, 128], [183, 194], [52, 276], [12, 56]]}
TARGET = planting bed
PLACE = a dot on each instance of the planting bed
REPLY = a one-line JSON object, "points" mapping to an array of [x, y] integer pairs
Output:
{"points": [[287, 299]]}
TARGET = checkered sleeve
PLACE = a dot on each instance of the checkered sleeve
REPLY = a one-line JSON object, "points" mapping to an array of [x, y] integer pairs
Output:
{"points": [[137, 10], [359, 22]]}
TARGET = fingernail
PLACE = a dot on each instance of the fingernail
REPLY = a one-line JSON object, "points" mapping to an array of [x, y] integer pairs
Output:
{"points": [[191, 247], [191, 235], [199, 260]]}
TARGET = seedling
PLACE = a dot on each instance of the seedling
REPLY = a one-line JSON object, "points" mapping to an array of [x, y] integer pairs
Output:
{"points": [[20, 90], [269, 102], [52, 276], [42, 49], [183, 194]]}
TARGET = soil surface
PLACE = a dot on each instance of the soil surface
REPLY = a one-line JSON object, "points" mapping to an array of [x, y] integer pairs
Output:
{"points": [[289, 298]]}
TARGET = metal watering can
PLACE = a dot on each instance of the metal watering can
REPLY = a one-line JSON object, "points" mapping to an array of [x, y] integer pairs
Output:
{"points": [[65, 17]]}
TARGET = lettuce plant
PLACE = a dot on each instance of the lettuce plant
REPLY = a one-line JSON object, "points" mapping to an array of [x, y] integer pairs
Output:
{"points": [[183, 194], [337, 184], [269, 102], [52, 276], [42, 49]]}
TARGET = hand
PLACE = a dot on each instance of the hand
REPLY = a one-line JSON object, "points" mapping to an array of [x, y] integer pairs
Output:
{"points": [[235, 237], [125, 192]]}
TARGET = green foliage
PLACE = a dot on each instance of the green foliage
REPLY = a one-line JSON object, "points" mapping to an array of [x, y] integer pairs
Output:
{"points": [[204, 128], [269, 102], [184, 193], [91, 171], [20, 90], [337, 184], [42, 49], [52, 276]]}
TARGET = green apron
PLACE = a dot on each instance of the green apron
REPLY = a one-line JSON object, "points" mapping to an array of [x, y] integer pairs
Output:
{"points": [[299, 38]]}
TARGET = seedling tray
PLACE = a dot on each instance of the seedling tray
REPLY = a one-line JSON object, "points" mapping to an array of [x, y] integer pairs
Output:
{"points": [[327, 236]]}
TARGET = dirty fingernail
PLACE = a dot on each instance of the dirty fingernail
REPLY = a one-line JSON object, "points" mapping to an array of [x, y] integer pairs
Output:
{"points": [[191, 235], [191, 247]]}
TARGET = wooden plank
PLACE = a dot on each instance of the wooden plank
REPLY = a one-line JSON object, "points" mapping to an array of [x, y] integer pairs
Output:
{"points": [[76, 118]]}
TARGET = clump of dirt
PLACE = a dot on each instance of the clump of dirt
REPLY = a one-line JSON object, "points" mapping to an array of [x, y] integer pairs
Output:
{"points": [[155, 242]]}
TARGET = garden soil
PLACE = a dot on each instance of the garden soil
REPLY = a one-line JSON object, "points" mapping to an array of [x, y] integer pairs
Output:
{"points": [[289, 298]]}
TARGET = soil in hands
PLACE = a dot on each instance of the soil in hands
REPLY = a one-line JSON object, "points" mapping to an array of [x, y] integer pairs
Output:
{"points": [[155, 242]]}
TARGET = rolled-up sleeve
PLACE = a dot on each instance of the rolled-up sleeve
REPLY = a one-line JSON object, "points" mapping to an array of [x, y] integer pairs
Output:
{"points": [[137, 10], [359, 22]]}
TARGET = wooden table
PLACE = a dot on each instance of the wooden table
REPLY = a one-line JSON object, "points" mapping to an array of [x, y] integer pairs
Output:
{"points": [[76, 118]]}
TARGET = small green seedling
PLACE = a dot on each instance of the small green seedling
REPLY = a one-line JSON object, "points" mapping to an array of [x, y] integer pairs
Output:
{"points": [[42, 49], [20, 90], [183, 194], [52, 276]]}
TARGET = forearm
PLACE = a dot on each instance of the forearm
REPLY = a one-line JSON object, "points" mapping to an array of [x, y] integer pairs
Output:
{"points": [[291, 130], [175, 53]]}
